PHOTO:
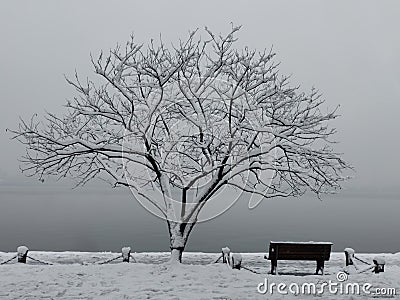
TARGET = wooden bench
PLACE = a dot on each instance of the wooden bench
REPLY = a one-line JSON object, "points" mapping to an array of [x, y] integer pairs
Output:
{"points": [[318, 251]]}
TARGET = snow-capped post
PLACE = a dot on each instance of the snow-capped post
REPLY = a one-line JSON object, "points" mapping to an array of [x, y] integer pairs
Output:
{"points": [[22, 254], [226, 255], [379, 263], [349, 254], [179, 124], [236, 261], [126, 254]]}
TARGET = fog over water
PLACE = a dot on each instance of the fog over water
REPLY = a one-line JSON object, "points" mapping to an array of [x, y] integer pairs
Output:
{"points": [[349, 50], [103, 219]]}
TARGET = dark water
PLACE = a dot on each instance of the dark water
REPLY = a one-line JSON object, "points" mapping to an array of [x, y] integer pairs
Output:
{"points": [[56, 218]]}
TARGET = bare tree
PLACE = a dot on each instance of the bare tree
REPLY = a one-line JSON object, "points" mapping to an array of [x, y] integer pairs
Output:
{"points": [[178, 124]]}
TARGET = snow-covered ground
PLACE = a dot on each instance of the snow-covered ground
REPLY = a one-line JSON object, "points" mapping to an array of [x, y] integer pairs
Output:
{"points": [[77, 275]]}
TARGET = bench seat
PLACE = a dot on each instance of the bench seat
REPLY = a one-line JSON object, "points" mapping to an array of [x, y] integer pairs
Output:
{"points": [[317, 251]]}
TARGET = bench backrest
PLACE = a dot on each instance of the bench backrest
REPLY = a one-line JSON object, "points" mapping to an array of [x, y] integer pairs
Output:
{"points": [[299, 251]]}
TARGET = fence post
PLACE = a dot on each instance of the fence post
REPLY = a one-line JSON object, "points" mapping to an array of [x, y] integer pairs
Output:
{"points": [[236, 261], [349, 253], [379, 263], [126, 254], [226, 255], [22, 254]]}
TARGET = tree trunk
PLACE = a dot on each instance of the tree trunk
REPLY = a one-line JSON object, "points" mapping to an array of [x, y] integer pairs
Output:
{"points": [[176, 255], [178, 233]]}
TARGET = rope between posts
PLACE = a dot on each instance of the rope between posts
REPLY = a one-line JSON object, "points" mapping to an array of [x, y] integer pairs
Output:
{"points": [[365, 270], [108, 261], [363, 261], [7, 261], [218, 259], [227, 263], [39, 261], [48, 263], [248, 269], [130, 255]]}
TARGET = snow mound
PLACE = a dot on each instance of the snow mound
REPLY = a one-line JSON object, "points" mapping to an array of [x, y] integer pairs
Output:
{"points": [[153, 278]]}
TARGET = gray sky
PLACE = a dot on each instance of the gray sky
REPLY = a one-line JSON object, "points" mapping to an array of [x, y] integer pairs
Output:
{"points": [[349, 50]]}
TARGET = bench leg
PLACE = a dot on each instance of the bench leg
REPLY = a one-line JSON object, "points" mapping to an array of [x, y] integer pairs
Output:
{"points": [[274, 265], [320, 267]]}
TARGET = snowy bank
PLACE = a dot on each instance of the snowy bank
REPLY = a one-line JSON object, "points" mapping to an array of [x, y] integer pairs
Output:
{"points": [[150, 278]]}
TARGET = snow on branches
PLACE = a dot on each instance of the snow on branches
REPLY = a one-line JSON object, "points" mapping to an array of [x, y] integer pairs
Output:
{"points": [[186, 121]]}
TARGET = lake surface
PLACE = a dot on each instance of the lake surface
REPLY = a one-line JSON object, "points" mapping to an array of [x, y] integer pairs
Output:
{"points": [[55, 217]]}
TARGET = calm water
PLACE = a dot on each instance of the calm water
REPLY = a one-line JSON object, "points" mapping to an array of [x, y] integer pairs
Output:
{"points": [[51, 217]]}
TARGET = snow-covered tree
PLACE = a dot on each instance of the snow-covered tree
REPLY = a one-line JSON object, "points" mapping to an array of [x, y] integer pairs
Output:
{"points": [[178, 124]]}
